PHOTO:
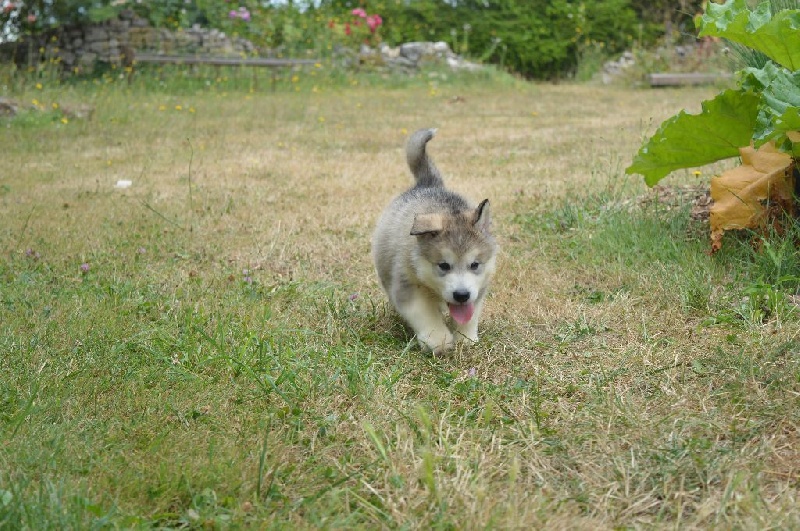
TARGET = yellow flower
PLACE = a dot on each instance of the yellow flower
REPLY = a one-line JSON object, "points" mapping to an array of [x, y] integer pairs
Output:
{"points": [[321, 119], [314, 89], [64, 120], [191, 109], [162, 107], [35, 102], [697, 173], [39, 86], [317, 65], [404, 131], [295, 79], [179, 107], [55, 105]]}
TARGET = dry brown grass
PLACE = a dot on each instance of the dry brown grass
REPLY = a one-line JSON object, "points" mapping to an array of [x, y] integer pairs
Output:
{"points": [[151, 374]]}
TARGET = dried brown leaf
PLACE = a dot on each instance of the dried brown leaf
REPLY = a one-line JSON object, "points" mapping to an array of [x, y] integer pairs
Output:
{"points": [[748, 196]]}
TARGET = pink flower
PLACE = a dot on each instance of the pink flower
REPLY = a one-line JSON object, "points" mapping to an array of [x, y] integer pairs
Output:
{"points": [[373, 21], [359, 12], [84, 268], [233, 14], [31, 18]]}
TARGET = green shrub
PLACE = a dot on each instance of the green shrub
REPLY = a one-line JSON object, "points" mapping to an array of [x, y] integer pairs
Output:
{"points": [[535, 38]]}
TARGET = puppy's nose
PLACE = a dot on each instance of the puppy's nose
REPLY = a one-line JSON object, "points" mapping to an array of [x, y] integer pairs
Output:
{"points": [[461, 296]]}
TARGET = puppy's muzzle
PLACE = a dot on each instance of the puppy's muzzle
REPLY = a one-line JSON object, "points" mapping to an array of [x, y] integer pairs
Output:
{"points": [[461, 296]]}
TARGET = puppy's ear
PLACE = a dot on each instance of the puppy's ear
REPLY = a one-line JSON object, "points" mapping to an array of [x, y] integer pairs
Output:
{"points": [[427, 224], [482, 218]]}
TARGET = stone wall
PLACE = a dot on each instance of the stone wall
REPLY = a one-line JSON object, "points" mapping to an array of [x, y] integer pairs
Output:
{"points": [[411, 55], [78, 48]]}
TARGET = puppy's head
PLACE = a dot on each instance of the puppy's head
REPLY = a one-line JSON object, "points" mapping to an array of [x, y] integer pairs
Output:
{"points": [[456, 256]]}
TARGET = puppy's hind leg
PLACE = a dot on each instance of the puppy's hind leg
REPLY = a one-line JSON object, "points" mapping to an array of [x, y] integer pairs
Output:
{"points": [[425, 318]]}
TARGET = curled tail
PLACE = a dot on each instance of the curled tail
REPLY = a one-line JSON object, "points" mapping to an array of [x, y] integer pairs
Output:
{"points": [[421, 165]]}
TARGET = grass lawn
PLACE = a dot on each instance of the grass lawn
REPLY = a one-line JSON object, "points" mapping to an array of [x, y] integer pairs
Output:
{"points": [[210, 346]]}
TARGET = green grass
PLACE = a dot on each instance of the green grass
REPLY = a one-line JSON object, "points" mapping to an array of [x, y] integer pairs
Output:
{"points": [[229, 361]]}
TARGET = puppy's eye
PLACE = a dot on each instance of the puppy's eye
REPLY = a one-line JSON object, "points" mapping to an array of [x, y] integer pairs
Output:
{"points": [[444, 266], [474, 266]]}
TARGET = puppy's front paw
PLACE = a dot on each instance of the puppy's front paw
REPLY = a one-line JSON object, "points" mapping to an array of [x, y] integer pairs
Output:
{"points": [[438, 341], [468, 332]]}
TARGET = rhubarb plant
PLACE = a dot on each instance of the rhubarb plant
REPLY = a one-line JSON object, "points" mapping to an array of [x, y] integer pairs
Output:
{"points": [[758, 121]]}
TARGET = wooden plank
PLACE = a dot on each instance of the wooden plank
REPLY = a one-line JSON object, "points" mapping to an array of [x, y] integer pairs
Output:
{"points": [[693, 78], [221, 61]]}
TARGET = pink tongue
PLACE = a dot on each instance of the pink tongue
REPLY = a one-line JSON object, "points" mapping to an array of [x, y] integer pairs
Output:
{"points": [[461, 313]]}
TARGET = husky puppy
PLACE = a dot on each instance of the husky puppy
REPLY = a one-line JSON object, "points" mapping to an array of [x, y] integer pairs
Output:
{"points": [[434, 254]]}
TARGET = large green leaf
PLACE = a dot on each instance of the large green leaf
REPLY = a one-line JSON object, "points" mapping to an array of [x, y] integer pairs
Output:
{"points": [[779, 110], [777, 37], [725, 124]]}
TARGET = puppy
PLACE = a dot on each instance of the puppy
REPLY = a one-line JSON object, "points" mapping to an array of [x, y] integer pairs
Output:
{"points": [[434, 254]]}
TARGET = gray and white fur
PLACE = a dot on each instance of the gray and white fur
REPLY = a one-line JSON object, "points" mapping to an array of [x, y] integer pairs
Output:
{"points": [[434, 254]]}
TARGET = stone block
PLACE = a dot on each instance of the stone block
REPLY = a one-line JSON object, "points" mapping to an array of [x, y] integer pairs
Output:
{"points": [[441, 49], [68, 58], [96, 34], [8, 107], [142, 38], [99, 47], [87, 59], [411, 51]]}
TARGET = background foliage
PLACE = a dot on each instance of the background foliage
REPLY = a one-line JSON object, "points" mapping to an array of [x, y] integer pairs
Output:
{"points": [[535, 38]]}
